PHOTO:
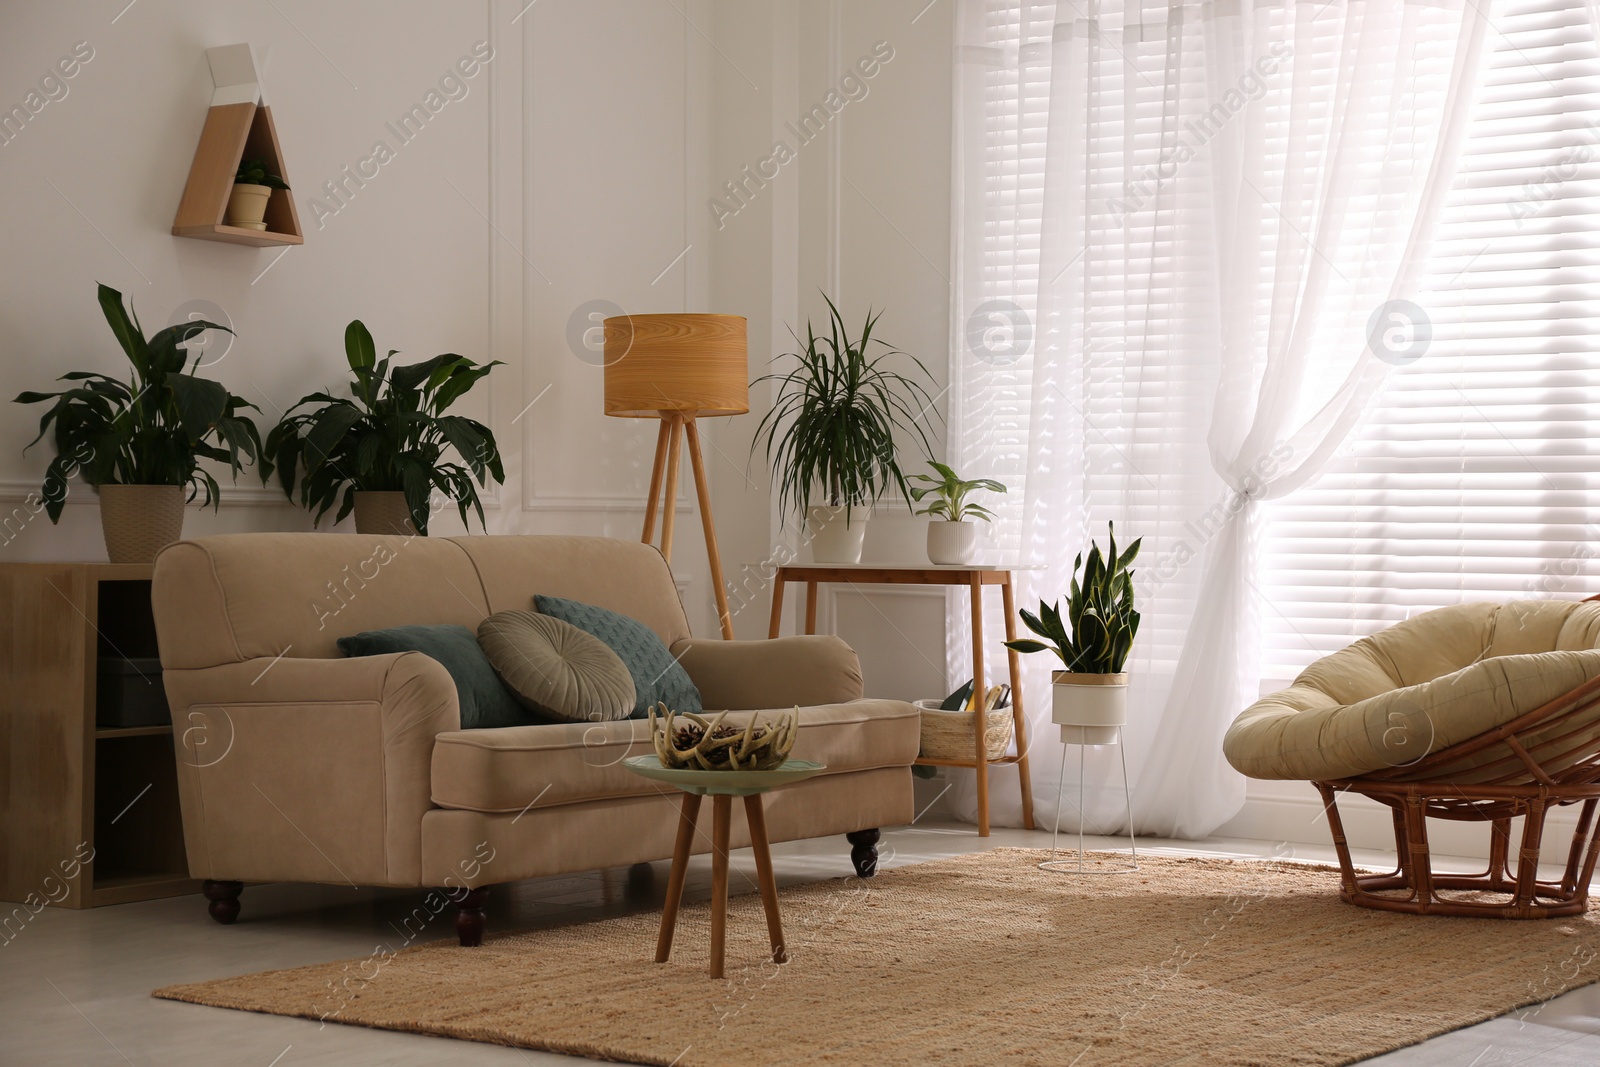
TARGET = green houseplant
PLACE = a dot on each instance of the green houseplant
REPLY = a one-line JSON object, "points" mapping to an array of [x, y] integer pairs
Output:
{"points": [[384, 449], [952, 538], [252, 189], [1090, 697], [140, 442], [829, 436]]}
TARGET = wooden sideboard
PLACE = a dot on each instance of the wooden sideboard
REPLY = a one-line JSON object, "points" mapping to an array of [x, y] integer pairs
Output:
{"points": [[70, 790]]}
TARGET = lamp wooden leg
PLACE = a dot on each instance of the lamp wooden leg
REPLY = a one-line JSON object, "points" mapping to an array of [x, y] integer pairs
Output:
{"points": [[688, 816], [703, 491], [777, 607], [982, 767], [649, 534], [669, 507], [721, 816], [757, 819], [1020, 721]]}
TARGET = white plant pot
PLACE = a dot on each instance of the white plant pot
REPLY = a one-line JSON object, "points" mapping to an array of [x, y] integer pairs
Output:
{"points": [[247, 205], [1089, 708], [952, 543], [833, 539]]}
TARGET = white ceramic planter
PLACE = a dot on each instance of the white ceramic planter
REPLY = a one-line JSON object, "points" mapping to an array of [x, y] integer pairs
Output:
{"points": [[952, 543], [1089, 708], [247, 205], [833, 540]]}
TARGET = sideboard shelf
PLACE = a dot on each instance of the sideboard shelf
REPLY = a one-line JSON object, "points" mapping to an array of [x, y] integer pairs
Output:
{"points": [[72, 786]]}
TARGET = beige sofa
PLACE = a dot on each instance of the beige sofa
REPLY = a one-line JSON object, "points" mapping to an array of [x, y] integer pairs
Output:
{"points": [[296, 764]]}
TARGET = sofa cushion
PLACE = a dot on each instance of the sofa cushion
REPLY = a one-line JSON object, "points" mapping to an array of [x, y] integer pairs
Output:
{"points": [[556, 670], [512, 770], [657, 676], [484, 699]]}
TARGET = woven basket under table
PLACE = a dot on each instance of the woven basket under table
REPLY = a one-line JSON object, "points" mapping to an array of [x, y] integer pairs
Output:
{"points": [[948, 734]]}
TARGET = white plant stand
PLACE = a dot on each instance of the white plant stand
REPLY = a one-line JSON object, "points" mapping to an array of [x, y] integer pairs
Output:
{"points": [[1066, 866]]}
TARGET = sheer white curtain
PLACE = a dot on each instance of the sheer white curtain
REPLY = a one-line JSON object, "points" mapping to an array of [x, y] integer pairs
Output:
{"points": [[1184, 236]]}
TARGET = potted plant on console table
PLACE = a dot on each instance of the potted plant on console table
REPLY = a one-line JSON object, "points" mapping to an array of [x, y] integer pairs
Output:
{"points": [[952, 538], [830, 433], [1090, 697], [140, 442], [385, 448]]}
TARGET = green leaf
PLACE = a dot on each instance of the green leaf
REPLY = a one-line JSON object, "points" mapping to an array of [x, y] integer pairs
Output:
{"points": [[201, 403], [359, 350]]}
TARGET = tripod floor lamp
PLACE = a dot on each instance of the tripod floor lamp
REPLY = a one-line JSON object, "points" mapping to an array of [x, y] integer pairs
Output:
{"points": [[678, 368]]}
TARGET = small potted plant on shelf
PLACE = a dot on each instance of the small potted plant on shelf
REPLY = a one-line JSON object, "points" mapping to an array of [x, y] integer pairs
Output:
{"points": [[952, 539], [1090, 697], [385, 448], [140, 442], [252, 189], [830, 433]]}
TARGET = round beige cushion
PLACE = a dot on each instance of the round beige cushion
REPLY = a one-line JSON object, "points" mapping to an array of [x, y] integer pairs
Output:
{"points": [[1422, 685], [556, 669]]}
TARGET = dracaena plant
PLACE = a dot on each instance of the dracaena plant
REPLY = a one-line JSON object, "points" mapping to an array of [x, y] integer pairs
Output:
{"points": [[829, 436], [1099, 612], [949, 492], [153, 429], [392, 435]]}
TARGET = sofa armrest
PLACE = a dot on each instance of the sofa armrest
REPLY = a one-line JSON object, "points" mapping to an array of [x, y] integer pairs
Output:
{"points": [[309, 770], [779, 673]]}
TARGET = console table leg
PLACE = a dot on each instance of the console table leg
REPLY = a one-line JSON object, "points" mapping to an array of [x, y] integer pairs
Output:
{"points": [[981, 718], [811, 607], [1018, 719], [721, 817], [777, 606], [757, 819], [689, 815]]}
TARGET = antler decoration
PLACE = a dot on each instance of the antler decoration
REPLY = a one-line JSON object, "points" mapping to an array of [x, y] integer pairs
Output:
{"points": [[709, 745]]}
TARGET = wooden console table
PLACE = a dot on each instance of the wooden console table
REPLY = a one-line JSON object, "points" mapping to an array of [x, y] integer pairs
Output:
{"points": [[974, 577], [75, 789]]}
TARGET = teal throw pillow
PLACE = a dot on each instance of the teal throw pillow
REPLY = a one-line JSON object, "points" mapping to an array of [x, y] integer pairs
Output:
{"points": [[485, 701], [657, 677]]}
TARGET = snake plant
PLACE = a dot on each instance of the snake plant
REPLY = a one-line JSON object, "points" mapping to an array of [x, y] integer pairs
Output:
{"points": [[1099, 609]]}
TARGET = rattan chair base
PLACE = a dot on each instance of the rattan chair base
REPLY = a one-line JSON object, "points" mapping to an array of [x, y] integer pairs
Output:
{"points": [[1517, 893]]}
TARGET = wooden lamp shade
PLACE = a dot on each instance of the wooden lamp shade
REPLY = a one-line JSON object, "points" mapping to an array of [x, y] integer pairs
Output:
{"points": [[677, 368], [693, 364]]}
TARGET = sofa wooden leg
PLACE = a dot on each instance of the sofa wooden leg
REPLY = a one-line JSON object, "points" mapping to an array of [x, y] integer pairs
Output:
{"points": [[470, 920], [224, 898], [864, 851]]}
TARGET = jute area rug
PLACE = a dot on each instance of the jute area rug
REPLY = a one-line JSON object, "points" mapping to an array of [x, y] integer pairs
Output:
{"points": [[974, 960]]}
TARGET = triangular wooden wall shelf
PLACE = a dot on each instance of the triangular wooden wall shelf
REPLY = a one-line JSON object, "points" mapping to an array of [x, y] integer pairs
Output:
{"points": [[235, 130]]}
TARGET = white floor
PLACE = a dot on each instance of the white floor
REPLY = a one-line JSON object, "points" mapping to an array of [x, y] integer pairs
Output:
{"points": [[74, 986]]}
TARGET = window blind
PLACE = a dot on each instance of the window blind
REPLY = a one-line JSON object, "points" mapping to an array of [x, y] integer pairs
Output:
{"points": [[1475, 475]]}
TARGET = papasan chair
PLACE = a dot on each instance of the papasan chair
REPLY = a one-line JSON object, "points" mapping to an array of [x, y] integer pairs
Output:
{"points": [[1479, 712]]}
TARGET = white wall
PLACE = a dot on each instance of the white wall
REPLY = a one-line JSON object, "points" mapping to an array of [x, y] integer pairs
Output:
{"points": [[862, 215]]}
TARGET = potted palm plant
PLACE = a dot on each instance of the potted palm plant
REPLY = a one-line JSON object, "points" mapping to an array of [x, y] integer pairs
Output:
{"points": [[1090, 697], [140, 442], [384, 449], [830, 434], [952, 538], [252, 189]]}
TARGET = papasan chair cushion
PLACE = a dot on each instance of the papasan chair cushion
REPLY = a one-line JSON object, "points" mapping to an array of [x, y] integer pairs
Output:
{"points": [[1420, 686]]}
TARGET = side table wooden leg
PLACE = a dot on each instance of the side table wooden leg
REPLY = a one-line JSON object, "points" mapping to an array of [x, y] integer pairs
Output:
{"points": [[721, 817], [689, 815], [777, 606], [811, 607], [981, 720], [1018, 719], [757, 819]]}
